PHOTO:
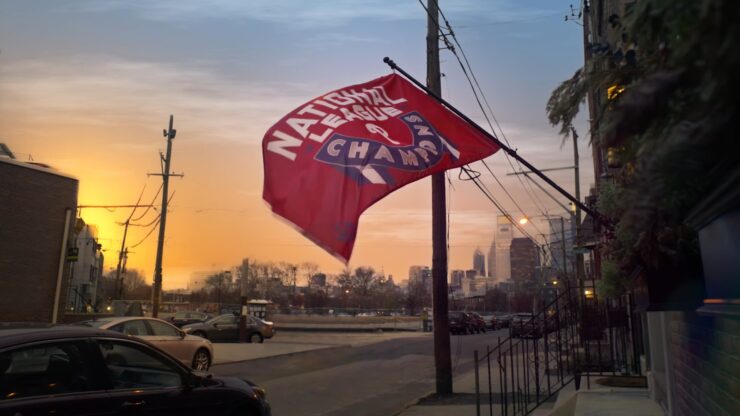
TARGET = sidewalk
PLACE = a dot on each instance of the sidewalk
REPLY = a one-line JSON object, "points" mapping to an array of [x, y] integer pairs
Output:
{"points": [[594, 402], [462, 402]]}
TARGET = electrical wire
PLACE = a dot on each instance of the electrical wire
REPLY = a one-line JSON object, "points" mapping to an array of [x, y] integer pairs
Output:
{"points": [[151, 204], [451, 48], [532, 195], [154, 224], [159, 218]]}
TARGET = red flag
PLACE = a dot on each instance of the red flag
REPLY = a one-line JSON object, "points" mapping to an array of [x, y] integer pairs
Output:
{"points": [[330, 159]]}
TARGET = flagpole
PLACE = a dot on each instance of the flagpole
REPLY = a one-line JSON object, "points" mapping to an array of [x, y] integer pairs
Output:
{"points": [[594, 214], [442, 349]]}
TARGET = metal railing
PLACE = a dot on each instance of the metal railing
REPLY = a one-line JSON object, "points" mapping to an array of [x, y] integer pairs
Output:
{"points": [[575, 336]]}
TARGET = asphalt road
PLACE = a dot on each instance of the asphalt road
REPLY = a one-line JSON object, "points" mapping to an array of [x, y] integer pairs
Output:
{"points": [[376, 379]]}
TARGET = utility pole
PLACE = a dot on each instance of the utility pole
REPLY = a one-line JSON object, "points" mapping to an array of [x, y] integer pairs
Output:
{"points": [[243, 288], [121, 254], [565, 256], [442, 358], [579, 255], [157, 289]]}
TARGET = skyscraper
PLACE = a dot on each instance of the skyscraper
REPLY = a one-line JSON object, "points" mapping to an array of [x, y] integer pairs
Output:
{"points": [[504, 234], [479, 262], [524, 259], [456, 279], [421, 274], [492, 260]]}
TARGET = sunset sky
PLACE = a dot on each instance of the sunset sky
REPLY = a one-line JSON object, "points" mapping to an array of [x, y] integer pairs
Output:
{"points": [[88, 86]]}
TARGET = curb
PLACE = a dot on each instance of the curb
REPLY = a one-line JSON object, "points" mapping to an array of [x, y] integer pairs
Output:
{"points": [[414, 402]]}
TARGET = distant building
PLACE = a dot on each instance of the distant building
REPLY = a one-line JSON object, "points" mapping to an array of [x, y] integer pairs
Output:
{"points": [[86, 271], [556, 244], [456, 279], [524, 259], [504, 234], [471, 274], [492, 260], [37, 211], [479, 262], [421, 274]]}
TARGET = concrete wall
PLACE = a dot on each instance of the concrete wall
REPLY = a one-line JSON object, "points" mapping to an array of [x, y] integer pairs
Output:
{"points": [[33, 201]]}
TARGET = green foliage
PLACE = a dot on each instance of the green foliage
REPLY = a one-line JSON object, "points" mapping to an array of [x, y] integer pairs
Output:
{"points": [[613, 282], [676, 125]]}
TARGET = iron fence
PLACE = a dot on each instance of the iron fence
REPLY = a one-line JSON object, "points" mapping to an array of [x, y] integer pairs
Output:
{"points": [[574, 337]]}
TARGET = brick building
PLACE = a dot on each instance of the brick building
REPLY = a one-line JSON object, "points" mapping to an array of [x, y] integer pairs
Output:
{"points": [[36, 220]]}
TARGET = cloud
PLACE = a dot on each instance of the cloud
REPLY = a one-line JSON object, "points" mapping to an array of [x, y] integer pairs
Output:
{"points": [[300, 13], [111, 92]]}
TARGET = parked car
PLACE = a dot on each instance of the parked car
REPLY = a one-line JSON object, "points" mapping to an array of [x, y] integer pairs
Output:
{"points": [[501, 321], [226, 328], [190, 350], [488, 317], [78, 370], [479, 324], [524, 325], [460, 323], [188, 317]]}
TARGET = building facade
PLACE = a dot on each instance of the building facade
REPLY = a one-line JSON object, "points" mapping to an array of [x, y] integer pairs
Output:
{"points": [[86, 271], [561, 251], [36, 223], [524, 259], [492, 259], [479, 262], [456, 279], [504, 235]]}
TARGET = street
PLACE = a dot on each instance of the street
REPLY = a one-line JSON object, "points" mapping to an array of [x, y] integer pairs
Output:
{"points": [[378, 378]]}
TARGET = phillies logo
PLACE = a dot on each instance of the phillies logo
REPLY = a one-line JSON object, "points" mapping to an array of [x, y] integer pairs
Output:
{"points": [[368, 161]]}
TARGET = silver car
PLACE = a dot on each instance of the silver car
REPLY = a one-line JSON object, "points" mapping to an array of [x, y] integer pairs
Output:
{"points": [[192, 351]]}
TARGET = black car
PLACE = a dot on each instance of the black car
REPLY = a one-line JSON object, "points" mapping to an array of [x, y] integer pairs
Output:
{"points": [[73, 370], [461, 323], [187, 317]]}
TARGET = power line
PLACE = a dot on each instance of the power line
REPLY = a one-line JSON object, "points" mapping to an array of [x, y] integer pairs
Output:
{"points": [[482, 187], [149, 233], [529, 191], [153, 224], [151, 204]]}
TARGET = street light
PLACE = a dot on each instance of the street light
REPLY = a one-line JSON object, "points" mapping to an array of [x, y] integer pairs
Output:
{"points": [[523, 220]]}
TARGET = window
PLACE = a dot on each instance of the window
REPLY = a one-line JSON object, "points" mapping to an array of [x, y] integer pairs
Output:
{"points": [[182, 315], [41, 370], [226, 319], [162, 329], [136, 328], [135, 367]]}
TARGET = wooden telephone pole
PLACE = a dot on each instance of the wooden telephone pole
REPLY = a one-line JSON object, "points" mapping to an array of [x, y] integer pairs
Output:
{"points": [[157, 289], [442, 357]]}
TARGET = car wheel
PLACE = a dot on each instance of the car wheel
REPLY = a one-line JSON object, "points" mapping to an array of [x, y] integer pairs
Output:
{"points": [[256, 337], [201, 360], [199, 334]]}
